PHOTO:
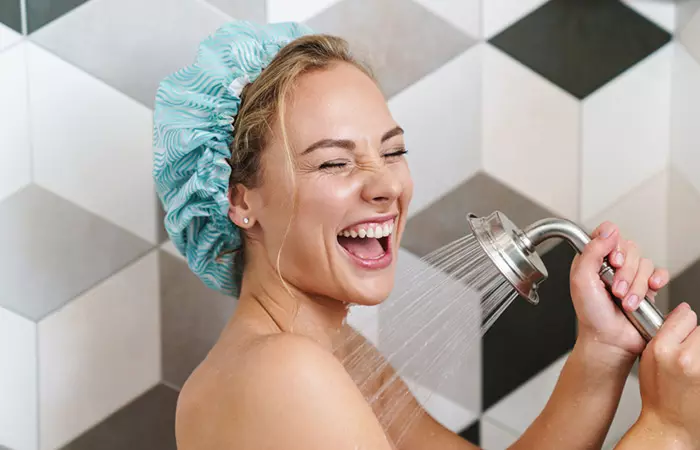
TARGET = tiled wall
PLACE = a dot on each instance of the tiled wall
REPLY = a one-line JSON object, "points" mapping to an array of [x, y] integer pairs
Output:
{"points": [[586, 110]]}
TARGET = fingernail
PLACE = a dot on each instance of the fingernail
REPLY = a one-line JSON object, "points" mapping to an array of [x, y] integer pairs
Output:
{"points": [[621, 287], [619, 258], [632, 302], [606, 232], [656, 280]]}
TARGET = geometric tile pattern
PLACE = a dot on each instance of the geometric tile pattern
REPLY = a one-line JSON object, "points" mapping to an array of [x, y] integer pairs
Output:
{"points": [[533, 107]]}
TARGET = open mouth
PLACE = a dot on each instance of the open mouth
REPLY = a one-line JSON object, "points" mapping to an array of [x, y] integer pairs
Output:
{"points": [[369, 241]]}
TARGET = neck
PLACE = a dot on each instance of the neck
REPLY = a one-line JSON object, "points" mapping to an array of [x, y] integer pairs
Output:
{"points": [[285, 308]]}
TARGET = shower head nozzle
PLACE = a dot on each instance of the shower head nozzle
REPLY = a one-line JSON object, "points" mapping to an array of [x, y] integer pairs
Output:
{"points": [[511, 251]]}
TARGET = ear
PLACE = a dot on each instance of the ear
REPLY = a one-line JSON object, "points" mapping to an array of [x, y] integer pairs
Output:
{"points": [[240, 210]]}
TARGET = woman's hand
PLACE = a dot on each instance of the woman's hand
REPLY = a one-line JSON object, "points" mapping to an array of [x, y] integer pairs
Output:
{"points": [[669, 376], [599, 318]]}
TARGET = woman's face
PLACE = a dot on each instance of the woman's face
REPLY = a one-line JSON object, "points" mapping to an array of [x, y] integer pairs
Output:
{"points": [[352, 186]]}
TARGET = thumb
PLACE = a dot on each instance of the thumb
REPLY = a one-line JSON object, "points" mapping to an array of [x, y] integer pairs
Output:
{"points": [[605, 239]]}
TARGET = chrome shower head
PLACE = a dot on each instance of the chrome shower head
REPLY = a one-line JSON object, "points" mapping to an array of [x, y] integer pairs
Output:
{"points": [[513, 252]]}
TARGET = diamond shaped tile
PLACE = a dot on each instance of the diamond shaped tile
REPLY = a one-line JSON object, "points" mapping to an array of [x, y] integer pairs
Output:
{"points": [[15, 149], [464, 14], [450, 153], [192, 317], [99, 352], [684, 287], [147, 423], [18, 380], [685, 107], [531, 134], [581, 46], [683, 216], [242, 9], [11, 15], [54, 251], [472, 433], [690, 36], [685, 11], [662, 13], [8, 37], [496, 436], [114, 178], [500, 14], [445, 220], [283, 10], [386, 36], [626, 132], [140, 43], [41, 12]]}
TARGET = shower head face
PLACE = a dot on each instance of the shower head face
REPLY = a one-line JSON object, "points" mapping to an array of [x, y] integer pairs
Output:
{"points": [[511, 251]]}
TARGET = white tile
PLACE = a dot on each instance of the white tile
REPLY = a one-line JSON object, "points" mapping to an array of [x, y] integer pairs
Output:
{"points": [[92, 144], [683, 223], [494, 436], [463, 14], [296, 11], [444, 146], [451, 415], [685, 11], [99, 352], [690, 36], [8, 37], [18, 385], [429, 331], [685, 109], [15, 149], [626, 132], [662, 13], [520, 408], [365, 320], [500, 14], [641, 215], [531, 134]]}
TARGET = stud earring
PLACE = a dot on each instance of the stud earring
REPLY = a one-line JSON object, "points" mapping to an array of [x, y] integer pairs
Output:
{"points": [[246, 220]]}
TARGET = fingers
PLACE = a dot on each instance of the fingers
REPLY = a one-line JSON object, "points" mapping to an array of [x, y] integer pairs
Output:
{"points": [[689, 357], [639, 286], [605, 240], [626, 273], [659, 279], [678, 325]]}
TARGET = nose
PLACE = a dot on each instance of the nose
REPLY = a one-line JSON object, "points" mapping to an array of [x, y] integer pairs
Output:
{"points": [[381, 186]]}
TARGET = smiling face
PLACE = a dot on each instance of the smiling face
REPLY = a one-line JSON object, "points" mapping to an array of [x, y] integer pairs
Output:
{"points": [[338, 218]]}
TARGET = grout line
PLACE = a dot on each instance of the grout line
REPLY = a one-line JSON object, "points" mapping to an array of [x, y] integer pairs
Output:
{"points": [[170, 385], [23, 17]]}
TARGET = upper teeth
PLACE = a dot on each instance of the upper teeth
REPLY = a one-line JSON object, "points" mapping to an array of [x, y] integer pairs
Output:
{"points": [[369, 231]]}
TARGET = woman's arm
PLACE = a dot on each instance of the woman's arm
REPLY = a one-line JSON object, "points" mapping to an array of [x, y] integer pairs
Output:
{"points": [[579, 412], [650, 434]]}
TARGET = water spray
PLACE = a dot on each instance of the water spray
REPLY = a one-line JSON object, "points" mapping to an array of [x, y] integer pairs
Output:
{"points": [[513, 251]]}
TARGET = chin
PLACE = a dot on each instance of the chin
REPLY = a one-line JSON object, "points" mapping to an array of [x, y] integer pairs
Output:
{"points": [[370, 292]]}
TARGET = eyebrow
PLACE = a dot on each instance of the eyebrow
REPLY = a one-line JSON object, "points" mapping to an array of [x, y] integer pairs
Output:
{"points": [[347, 143]]}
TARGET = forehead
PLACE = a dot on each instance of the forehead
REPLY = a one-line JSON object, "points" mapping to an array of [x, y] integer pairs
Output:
{"points": [[341, 102]]}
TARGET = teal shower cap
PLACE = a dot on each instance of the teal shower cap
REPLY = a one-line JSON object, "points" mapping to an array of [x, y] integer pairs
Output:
{"points": [[192, 132]]}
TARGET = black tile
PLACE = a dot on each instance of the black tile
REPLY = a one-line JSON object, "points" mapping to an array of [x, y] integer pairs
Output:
{"points": [[526, 339], [581, 45], [11, 15], [472, 433], [147, 423], [41, 12]]}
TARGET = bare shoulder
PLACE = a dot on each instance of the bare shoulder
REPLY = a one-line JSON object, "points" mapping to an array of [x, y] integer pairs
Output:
{"points": [[279, 391]]}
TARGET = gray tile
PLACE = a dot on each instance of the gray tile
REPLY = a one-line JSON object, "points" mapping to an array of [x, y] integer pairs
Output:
{"points": [[41, 12], [386, 35], [147, 423], [242, 9], [685, 288], [192, 318], [142, 41], [445, 220], [52, 251], [162, 235], [11, 15], [685, 10]]}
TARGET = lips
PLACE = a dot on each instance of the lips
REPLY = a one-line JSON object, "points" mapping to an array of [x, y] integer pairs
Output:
{"points": [[369, 243]]}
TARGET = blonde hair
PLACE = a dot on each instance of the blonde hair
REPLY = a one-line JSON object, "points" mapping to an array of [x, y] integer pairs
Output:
{"points": [[263, 103]]}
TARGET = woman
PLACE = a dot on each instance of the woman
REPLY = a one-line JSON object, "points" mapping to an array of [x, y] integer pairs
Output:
{"points": [[270, 150]]}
